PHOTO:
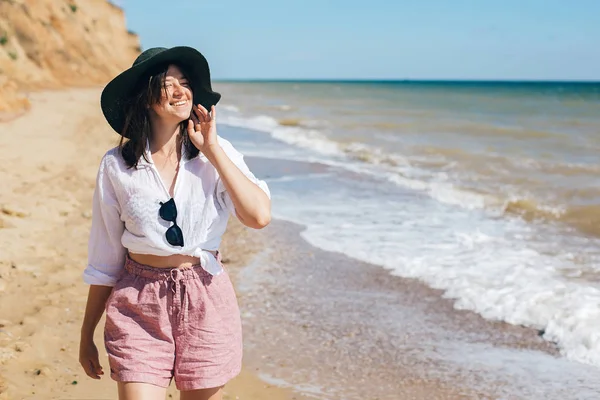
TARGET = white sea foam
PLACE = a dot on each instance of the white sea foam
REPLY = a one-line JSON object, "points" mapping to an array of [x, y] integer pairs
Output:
{"points": [[296, 136], [230, 108], [495, 267]]}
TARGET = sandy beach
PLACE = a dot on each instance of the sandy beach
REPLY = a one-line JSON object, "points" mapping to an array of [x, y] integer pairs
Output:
{"points": [[48, 162]]}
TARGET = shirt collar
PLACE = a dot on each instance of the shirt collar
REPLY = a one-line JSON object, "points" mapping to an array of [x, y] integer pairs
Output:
{"points": [[148, 154]]}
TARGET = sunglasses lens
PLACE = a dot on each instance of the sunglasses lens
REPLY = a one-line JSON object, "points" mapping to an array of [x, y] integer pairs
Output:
{"points": [[168, 211], [174, 236]]}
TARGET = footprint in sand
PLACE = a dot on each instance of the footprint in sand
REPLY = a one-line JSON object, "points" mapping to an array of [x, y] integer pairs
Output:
{"points": [[13, 212]]}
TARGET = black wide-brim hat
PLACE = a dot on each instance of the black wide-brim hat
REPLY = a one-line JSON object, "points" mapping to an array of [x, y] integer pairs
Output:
{"points": [[117, 92]]}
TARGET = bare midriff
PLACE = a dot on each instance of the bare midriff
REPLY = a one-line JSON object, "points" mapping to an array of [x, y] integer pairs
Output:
{"points": [[174, 260]]}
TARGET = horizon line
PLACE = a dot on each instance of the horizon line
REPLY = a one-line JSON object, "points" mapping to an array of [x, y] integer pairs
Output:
{"points": [[400, 80]]}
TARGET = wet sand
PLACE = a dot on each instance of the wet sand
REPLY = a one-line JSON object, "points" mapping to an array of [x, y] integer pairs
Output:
{"points": [[338, 328], [341, 329]]}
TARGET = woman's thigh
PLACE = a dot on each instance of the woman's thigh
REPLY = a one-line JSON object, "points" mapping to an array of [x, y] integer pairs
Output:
{"points": [[202, 394], [141, 391]]}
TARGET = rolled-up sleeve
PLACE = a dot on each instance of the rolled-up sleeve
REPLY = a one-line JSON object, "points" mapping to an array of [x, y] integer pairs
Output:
{"points": [[237, 158], [106, 254]]}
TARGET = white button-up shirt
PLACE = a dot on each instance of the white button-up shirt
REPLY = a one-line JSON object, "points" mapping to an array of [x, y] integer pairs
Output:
{"points": [[125, 212]]}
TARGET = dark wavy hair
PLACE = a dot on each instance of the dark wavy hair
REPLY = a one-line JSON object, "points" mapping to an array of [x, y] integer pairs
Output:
{"points": [[147, 92]]}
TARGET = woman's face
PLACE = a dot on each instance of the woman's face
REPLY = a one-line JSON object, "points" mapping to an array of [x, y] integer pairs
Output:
{"points": [[177, 99]]}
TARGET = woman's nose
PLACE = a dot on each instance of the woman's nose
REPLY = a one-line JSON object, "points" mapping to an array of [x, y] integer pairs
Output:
{"points": [[177, 89]]}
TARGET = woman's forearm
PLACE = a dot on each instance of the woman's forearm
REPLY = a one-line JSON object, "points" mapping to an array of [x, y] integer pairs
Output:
{"points": [[96, 302], [252, 205]]}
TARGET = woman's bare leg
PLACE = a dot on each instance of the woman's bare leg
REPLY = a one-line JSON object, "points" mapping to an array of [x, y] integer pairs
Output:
{"points": [[202, 394], [140, 391]]}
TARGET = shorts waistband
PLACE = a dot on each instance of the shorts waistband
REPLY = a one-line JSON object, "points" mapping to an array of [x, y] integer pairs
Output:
{"points": [[173, 273]]}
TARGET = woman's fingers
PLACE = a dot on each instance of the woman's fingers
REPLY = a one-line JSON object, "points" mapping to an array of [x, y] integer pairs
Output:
{"points": [[195, 115], [88, 358], [190, 127], [199, 113], [194, 118], [203, 114], [207, 116], [203, 110], [97, 367], [89, 369]]}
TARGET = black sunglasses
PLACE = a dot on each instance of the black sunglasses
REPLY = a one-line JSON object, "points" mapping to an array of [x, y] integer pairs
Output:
{"points": [[168, 212]]}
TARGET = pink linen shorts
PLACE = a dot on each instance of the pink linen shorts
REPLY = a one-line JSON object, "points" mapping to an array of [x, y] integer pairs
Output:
{"points": [[164, 323]]}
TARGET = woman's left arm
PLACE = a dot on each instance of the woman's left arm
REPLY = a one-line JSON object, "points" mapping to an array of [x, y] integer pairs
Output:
{"points": [[252, 205]]}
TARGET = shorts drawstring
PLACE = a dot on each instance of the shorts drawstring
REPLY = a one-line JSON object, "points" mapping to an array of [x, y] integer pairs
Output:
{"points": [[173, 279], [185, 301], [184, 305]]}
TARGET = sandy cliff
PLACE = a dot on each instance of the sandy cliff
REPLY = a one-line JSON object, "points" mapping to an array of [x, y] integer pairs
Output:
{"points": [[59, 43]]}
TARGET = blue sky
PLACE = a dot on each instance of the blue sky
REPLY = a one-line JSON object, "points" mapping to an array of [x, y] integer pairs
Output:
{"points": [[376, 39]]}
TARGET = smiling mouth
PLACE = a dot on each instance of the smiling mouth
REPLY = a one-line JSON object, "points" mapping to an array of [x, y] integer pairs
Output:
{"points": [[179, 103]]}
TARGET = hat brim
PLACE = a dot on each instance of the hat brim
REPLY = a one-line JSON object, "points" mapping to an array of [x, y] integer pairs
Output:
{"points": [[117, 92]]}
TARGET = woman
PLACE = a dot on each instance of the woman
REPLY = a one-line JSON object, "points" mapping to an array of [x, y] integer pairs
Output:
{"points": [[160, 207]]}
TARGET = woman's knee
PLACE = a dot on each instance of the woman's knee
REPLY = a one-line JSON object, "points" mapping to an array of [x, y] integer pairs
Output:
{"points": [[203, 394], [140, 391]]}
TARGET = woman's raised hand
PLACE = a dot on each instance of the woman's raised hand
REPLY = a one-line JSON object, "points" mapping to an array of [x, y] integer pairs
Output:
{"points": [[202, 128]]}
